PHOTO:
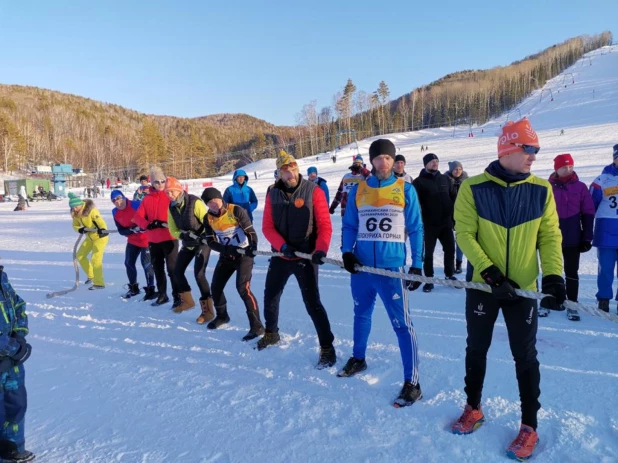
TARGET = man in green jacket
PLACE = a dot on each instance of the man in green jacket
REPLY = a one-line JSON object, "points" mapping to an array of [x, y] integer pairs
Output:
{"points": [[502, 218]]}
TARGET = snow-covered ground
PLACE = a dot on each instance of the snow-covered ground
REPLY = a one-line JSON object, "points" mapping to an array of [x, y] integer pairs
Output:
{"points": [[122, 381]]}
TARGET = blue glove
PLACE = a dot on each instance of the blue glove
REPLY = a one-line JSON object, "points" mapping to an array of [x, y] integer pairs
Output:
{"points": [[288, 251]]}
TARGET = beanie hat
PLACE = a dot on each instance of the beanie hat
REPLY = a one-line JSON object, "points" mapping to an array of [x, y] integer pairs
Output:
{"points": [[381, 146], [520, 132], [358, 160], [75, 201], [71, 195], [172, 184], [452, 165], [615, 151], [428, 158], [563, 160], [211, 193], [400, 157], [115, 194], [284, 159], [312, 170], [156, 173]]}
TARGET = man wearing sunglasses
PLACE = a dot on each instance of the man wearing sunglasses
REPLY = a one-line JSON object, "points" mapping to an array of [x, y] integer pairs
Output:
{"points": [[296, 219], [152, 216], [503, 218]]}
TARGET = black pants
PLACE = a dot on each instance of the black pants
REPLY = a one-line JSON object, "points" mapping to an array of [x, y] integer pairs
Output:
{"points": [[243, 266], [279, 270], [521, 324], [445, 235], [163, 257], [571, 255], [185, 256]]}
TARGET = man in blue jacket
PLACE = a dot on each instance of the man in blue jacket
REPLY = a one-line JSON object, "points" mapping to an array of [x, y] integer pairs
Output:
{"points": [[604, 191], [240, 193], [312, 174], [380, 212]]}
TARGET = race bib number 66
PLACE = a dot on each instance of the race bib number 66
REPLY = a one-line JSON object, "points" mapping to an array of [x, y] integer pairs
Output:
{"points": [[384, 223]]}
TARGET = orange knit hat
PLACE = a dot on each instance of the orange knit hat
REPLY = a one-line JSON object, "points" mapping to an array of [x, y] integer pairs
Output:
{"points": [[171, 183], [516, 133]]}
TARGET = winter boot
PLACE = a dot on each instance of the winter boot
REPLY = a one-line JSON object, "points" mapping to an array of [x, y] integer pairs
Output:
{"points": [[208, 312], [409, 394], [150, 293], [604, 305], [161, 299], [428, 287], [186, 302], [328, 357], [88, 281], [470, 420], [255, 326], [352, 367], [177, 300], [543, 312], [269, 339], [10, 453], [221, 319], [133, 291], [522, 447], [458, 267]]}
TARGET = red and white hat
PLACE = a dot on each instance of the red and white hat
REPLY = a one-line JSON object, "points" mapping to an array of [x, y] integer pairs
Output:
{"points": [[563, 160]]}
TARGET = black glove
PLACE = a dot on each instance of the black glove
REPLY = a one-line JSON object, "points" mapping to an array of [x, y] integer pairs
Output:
{"points": [[231, 251], [81, 230], [23, 352], [554, 286], [585, 246], [350, 261], [413, 285], [103, 233], [186, 236], [250, 250], [332, 209], [288, 251], [156, 224], [501, 288], [317, 256]]}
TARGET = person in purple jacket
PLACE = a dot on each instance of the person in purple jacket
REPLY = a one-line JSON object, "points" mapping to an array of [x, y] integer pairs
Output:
{"points": [[576, 213]]}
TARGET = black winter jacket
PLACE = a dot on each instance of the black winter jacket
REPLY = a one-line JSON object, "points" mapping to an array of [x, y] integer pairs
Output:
{"points": [[436, 194]]}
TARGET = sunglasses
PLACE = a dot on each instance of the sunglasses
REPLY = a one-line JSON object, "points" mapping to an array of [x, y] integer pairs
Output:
{"points": [[117, 198], [158, 182], [291, 165], [527, 148]]}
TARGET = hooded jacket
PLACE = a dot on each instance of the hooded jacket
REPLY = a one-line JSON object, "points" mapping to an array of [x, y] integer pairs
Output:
{"points": [[241, 195], [89, 217], [124, 223], [153, 207], [604, 191]]}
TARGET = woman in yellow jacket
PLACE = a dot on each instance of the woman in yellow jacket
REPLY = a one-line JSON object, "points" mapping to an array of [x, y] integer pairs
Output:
{"points": [[85, 215]]}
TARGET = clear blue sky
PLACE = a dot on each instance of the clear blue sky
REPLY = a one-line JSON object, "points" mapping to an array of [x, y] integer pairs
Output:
{"points": [[193, 58]]}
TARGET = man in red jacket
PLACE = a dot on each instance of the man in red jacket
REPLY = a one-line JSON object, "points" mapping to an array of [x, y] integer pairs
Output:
{"points": [[152, 217], [296, 218]]}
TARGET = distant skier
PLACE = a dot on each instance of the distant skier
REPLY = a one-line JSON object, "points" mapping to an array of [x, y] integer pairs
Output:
{"points": [[357, 174], [604, 192], [383, 203], [576, 213], [562, 132], [14, 352], [492, 237]]}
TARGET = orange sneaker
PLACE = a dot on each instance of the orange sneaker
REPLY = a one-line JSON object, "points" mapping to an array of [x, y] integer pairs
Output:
{"points": [[469, 421], [522, 447]]}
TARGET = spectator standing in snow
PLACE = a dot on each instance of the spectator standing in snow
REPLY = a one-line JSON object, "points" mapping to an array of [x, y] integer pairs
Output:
{"points": [[484, 218], [604, 192], [357, 174], [240, 193], [457, 176], [15, 351], [576, 213], [379, 215], [436, 194], [296, 219], [312, 175], [399, 168]]}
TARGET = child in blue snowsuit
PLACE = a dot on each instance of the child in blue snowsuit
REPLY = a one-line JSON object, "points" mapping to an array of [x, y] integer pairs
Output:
{"points": [[604, 191], [240, 193], [379, 214], [14, 351]]}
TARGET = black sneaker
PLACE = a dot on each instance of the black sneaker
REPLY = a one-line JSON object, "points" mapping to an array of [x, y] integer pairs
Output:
{"points": [[220, 319], [458, 267], [352, 367], [150, 293], [9, 453], [328, 357], [269, 339], [177, 300], [253, 333], [161, 299], [133, 291], [88, 281], [427, 287], [604, 305], [95, 287], [409, 394]]}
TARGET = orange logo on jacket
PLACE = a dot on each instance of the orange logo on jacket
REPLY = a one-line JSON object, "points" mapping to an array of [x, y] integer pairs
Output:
{"points": [[299, 202]]}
